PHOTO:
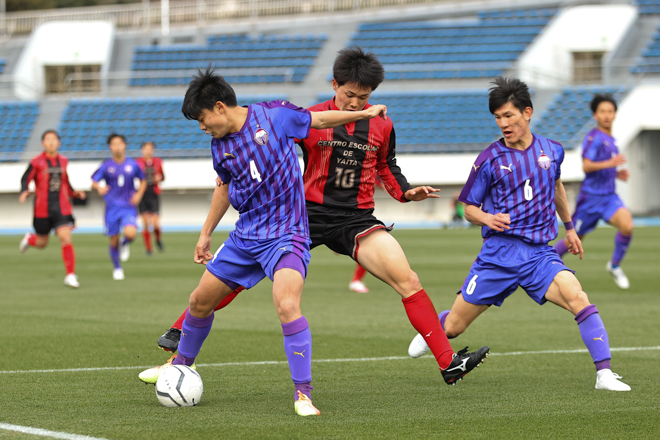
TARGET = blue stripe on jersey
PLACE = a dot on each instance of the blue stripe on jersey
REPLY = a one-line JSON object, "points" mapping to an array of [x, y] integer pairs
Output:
{"points": [[511, 181], [120, 179], [597, 147], [265, 181]]}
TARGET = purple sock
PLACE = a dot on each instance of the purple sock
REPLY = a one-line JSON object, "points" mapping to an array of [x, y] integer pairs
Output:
{"points": [[193, 334], [621, 244], [443, 317], [594, 336], [114, 256], [125, 241], [298, 349], [561, 247]]}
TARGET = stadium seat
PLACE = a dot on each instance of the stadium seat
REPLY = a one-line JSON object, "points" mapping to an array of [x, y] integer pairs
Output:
{"points": [[18, 120]]}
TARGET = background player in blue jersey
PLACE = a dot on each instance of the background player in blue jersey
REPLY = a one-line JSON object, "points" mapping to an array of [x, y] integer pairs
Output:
{"points": [[598, 199], [121, 199], [254, 155], [514, 192]]}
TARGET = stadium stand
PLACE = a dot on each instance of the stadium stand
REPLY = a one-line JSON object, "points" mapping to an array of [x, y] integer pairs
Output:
{"points": [[3, 63], [648, 6], [649, 61], [438, 121], [474, 48], [86, 124], [17, 120], [567, 119], [242, 58]]}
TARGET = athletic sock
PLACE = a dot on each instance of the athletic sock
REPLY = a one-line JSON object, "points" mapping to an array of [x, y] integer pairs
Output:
{"points": [[594, 336], [443, 317], [224, 303], [114, 256], [147, 239], [157, 233], [125, 241], [32, 240], [621, 244], [561, 247], [424, 318], [359, 273], [69, 258], [193, 334], [298, 349]]}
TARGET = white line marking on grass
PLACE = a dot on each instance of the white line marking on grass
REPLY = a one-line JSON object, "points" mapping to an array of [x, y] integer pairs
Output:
{"points": [[46, 433], [366, 359]]}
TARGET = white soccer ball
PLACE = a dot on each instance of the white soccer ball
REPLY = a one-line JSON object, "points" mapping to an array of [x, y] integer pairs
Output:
{"points": [[179, 385]]}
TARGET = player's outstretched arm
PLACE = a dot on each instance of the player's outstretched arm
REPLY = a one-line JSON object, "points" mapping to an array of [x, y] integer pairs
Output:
{"points": [[332, 118], [421, 193], [561, 202], [589, 166], [102, 190], [219, 206], [497, 222]]}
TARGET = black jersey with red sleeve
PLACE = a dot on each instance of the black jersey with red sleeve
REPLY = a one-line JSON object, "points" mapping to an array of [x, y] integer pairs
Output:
{"points": [[52, 188], [151, 168], [341, 163]]}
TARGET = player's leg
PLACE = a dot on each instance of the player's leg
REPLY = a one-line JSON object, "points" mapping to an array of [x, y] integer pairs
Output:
{"points": [[356, 284], [146, 235], [157, 231], [68, 255], [622, 220], [38, 239], [113, 250], [566, 291]]}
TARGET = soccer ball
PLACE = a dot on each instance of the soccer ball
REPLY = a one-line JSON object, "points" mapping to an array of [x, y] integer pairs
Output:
{"points": [[179, 385]]}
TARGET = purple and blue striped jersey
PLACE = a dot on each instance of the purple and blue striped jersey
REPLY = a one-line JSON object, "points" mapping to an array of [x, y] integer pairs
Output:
{"points": [[514, 182], [260, 163], [597, 147], [119, 177]]}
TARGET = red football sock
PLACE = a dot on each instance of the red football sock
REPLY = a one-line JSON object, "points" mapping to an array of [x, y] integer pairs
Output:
{"points": [[147, 239], [224, 303], [32, 240], [424, 318], [359, 273], [69, 257], [157, 232]]}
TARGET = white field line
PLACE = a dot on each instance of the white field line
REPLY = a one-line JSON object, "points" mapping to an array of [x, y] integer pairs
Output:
{"points": [[370, 359], [46, 433]]}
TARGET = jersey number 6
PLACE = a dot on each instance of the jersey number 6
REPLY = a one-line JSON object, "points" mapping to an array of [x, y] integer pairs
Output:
{"points": [[529, 193]]}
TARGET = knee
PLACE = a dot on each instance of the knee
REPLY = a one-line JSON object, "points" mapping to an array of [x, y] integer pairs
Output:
{"points": [[453, 329], [577, 301], [627, 229], [287, 309], [198, 306], [411, 283]]}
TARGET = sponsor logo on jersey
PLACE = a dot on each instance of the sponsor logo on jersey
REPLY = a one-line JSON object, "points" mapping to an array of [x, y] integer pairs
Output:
{"points": [[261, 137], [544, 162]]}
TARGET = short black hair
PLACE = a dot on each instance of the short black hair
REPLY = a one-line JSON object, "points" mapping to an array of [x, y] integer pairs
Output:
{"points": [[115, 135], [509, 90], [205, 89], [352, 65], [153, 144], [602, 97], [50, 130]]}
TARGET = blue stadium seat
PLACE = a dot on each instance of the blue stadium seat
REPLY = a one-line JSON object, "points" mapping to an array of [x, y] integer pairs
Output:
{"points": [[18, 120]]}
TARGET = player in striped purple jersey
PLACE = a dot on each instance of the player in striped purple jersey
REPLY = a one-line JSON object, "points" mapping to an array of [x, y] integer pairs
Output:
{"points": [[514, 192], [598, 199], [254, 155]]}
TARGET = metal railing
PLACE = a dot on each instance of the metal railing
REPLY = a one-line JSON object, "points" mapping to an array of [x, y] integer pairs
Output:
{"points": [[145, 16]]}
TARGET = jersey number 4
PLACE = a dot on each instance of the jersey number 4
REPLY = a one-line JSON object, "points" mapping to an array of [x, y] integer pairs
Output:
{"points": [[254, 172]]}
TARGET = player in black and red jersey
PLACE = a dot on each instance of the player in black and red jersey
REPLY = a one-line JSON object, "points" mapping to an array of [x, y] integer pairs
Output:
{"points": [[149, 206], [341, 165], [52, 204]]}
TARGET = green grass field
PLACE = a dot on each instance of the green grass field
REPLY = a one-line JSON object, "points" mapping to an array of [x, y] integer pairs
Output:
{"points": [[111, 328]]}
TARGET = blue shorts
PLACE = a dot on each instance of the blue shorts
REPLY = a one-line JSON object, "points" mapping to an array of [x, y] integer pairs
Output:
{"points": [[591, 208], [117, 218], [505, 263], [246, 262]]}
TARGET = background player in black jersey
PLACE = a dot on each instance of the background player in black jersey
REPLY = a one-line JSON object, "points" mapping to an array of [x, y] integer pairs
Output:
{"points": [[341, 165]]}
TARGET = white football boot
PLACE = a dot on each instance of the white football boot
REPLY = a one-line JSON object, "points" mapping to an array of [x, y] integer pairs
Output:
{"points": [[620, 278], [358, 286], [71, 280], [304, 406], [124, 252], [418, 347], [118, 274], [607, 380], [23, 246]]}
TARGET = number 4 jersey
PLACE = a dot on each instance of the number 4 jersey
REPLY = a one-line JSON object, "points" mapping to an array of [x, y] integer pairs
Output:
{"points": [[341, 163], [518, 183], [260, 165]]}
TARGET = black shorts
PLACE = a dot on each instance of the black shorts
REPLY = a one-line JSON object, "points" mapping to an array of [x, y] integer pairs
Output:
{"points": [[341, 229], [149, 203], [43, 226]]}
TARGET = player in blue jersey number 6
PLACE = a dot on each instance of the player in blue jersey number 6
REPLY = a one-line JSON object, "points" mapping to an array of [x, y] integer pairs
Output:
{"points": [[514, 192], [254, 155]]}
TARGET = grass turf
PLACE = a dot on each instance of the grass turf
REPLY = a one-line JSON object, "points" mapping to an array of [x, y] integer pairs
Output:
{"points": [[107, 323]]}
